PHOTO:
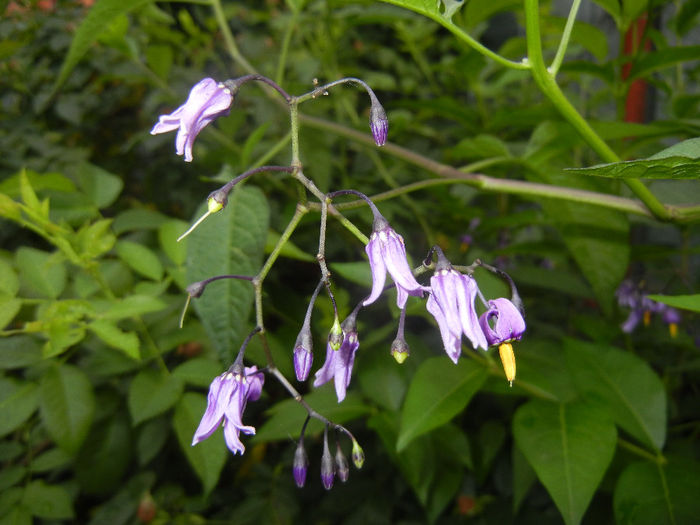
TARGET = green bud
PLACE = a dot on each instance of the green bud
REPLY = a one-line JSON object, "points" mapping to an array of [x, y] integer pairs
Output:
{"points": [[335, 338], [358, 455]]}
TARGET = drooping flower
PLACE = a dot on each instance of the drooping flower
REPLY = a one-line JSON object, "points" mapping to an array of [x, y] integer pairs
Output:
{"points": [[327, 464], [387, 252], [671, 317], [502, 322], [301, 464], [208, 100], [227, 399], [451, 302], [339, 363], [378, 122], [303, 356]]}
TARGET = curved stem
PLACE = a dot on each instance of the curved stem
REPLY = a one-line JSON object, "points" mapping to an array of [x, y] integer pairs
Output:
{"points": [[564, 43]]}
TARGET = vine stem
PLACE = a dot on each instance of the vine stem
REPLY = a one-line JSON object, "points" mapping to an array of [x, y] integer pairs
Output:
{"points": [[566, 35], [546, 82]]}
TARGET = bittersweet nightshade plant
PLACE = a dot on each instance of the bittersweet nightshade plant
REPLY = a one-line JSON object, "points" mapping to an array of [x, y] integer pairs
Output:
{"points": [[228, 395], [208, 100], [339, 363], [502, 322]]}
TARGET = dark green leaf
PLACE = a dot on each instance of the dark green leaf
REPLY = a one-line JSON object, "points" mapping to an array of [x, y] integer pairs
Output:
{"points": [[229, 242], [50, 460], [152, 435], [570, 447], [151, 393], [686, 17], [198, 371], [48, 501], [653, 494], [625, 385], [289, 249], [140, 259], [18, 401], [438, 392], [208, 457], [684, 302], [99, 185], [67, 405], [137, 219], [662, 168], [662, 58]]}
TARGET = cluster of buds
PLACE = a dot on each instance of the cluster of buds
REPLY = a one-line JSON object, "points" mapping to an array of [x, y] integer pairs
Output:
{"points": [[451, 294], [642, 307]]}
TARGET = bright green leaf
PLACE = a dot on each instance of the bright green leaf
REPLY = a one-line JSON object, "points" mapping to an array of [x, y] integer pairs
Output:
{"points": [[140, 259], [684, 302], [625, 385], [112, 335], [208, 457], [151, 393], [438, 392], [9, 307], [67, 405], [570, 447], [41, 272], [168, 232], [229, 242], [9, 283]]}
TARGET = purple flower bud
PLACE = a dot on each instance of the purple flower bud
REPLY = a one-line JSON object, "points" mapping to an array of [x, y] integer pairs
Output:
{"points": [[378, 122], [303, 356], [196, 289], [208, 100], [301, 464], [508, 326], [342, 466], [327, 466]]}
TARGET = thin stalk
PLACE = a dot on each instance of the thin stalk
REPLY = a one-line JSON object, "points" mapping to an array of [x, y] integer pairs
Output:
{"points": [[566, 35], [638, 451]]}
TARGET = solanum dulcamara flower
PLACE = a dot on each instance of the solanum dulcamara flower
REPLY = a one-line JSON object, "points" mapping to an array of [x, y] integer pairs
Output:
{"points": [[339, 363], [502, 324], [387, 253], [451, 302], [208, 100], [228, 395]]}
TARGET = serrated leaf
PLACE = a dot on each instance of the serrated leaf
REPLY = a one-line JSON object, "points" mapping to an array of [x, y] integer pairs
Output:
{"points": [[653, 494], [67, 405], [97, 20], [625, 385], [42, 272], [208, 457], [18, 401], [684, 302], [230, 242], [140, 259], [151, 393], [48, 501], [112, 335], [439, 391], [570, 447]]}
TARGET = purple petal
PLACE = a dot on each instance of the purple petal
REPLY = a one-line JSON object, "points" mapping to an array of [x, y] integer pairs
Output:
{"points": [[376, 264], [394, 252], [327, 371], [255, 381], [344, 363], [233, 441], [220, 392], [451, 341], [444, 284], [466, 293], [632, 321]]}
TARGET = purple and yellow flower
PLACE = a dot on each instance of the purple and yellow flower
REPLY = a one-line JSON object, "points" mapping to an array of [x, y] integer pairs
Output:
{"points": [[502, 324], [208, 100], [451, 302], [227, 399], [387, 253], [339, 363]]}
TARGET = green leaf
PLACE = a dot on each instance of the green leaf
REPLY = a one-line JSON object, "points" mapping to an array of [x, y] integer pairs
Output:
{"points": [[97, 20], [686, 17], [198, 371], [18, 401], [168, 232], [570, 447], [613, 9], [9, 283], [355, 272], [286, 417], [140, 259], [439, 391], [477, 11], [131, 306], [99, 185], [41, 272], [625, 385], [289, 249], [684, 302], [19, 351], [9, 307], [653, 494], [152, 435], [67, 405], [48, 501], [151, 393], [112, 335], [52, 459], [230, 242], [137, 219], [662, 58], [208, 457], [677, 167]]}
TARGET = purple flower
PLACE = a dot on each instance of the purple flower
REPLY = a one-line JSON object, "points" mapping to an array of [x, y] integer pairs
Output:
{"points": [[301, 464], [228, 395], [451, 302], [633, 319], [208, 100], [303, 356], [339, 363], [387, 252], [671, 316], [502, 322]]}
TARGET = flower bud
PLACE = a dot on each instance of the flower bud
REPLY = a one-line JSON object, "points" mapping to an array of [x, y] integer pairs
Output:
{"points": [[327, 466], [217, 200], [341, 465], [303, 356], [335, 338], [301, 464], [378, 122], [358, 455], [400, 350], [196, 289]]}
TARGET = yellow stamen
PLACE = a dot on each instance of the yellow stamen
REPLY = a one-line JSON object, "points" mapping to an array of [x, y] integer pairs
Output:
{"points": [[647, 317], [673, 330], [505, 350]]}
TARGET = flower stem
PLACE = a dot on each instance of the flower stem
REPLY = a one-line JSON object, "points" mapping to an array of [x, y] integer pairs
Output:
{"points": [[564, 43]]}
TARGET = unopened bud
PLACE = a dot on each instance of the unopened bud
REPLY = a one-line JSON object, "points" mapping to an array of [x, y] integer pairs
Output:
{"points": [[505, 350], [303, 356], [358, 455], [341, 465], [301, 464], [327, 466], [196, 289], [400, 350], [378, 122], [335, 338], [217, 200]]}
